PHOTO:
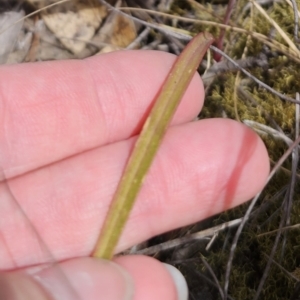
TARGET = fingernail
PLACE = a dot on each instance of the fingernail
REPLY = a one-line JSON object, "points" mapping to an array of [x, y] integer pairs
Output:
{"points": [[87, 279], [179, 281]]}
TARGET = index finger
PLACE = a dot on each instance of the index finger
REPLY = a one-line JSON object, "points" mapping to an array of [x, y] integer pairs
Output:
{"points": [[53, 110]]}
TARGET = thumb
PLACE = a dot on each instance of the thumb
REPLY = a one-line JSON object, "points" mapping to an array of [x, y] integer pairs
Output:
{"points": [[84, 278], [19, 286]]}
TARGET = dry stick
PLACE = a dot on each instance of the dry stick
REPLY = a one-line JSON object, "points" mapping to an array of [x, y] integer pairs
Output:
{"points": [[181, 36], [225, 66], [220, 41], [213, 275], [189, 238], [246, 217], [134, 44], [196, 6], [148, 143], [260, 37], [287, 205], [264, 129], [276, 26], [196, 273], [269, 263], [185, 37], [295, 160], [238, 76], [296, 20], [283, 269], [296, 226], [265, 205], [267, 115], [262, 84]]}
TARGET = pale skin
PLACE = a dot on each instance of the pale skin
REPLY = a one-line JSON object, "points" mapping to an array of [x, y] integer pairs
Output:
{"points": [[67, 129]]}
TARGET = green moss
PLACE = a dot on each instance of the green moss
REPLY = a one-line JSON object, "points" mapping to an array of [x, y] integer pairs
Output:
{"points": [[259, 105]]}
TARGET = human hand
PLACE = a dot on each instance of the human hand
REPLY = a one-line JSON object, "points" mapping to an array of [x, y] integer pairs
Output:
{"points": [[67, 129]]}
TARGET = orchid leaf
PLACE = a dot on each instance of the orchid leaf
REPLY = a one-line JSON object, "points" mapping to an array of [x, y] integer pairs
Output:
{"points": [[148, 142]]}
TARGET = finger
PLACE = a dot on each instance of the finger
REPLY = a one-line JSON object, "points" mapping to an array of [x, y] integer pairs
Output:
{"points": [[153, 280], [87, 278], [53, 110], [201, 169]]}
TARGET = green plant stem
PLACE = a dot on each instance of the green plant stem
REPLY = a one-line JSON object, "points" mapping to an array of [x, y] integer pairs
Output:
{"points": [[148, 142]]}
